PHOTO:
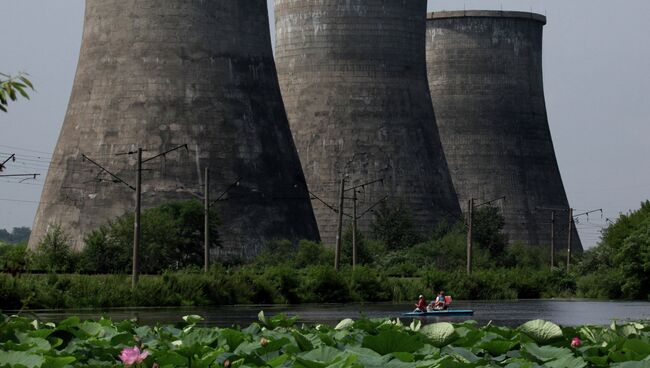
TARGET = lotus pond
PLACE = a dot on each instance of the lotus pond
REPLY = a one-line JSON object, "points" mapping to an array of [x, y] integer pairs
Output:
{"points": [[279, 341]]}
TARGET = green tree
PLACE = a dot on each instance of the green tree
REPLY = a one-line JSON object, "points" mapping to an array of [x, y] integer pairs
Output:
{"points": [[393, 225], [54, 252], [12, 87], [620, 265], [14, 258], [172, 238], [364, 255], [487, 230]]}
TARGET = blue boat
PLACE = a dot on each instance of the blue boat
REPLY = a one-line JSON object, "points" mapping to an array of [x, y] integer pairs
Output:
{"points": [[439, 313]]}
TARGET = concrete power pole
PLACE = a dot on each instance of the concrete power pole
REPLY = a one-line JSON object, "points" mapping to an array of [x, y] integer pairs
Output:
{"points": [[568, 249], [137, 230], [354, 229], [339, 230], [552, 239], [470, 216], [206, 226]]}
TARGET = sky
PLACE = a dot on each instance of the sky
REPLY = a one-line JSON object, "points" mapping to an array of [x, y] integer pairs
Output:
{"points": [[596, 76]]}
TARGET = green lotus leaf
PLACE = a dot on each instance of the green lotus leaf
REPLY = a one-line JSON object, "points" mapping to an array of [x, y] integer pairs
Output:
{"points": [[543, 332], [543, 354], [58, 362], [497, 346], [460, 354], [322, 355], [440, 334], [391, 341], [633, 364], [192, 319], [344, 324], [21, 358], [567, 361], [638, 346], [303, 343], [231, 338], [367, 357]]}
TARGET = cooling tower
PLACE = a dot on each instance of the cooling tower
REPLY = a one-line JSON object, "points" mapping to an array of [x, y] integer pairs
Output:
{"points": [[485, 77], [158, 74], [353, 80]]}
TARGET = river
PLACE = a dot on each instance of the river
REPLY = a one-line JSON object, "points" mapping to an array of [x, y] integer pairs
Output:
{"points": [[504, 313]]}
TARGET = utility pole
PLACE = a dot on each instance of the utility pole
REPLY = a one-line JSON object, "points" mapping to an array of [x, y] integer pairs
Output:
{"points": [[552, 239], [137, 228], [206, 226], [339, 230], [568, 249], [354, 229], [470, 215]]}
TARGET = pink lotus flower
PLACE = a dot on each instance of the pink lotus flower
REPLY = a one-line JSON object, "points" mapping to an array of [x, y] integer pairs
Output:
{"points": [[133, 356], [576, 342]]}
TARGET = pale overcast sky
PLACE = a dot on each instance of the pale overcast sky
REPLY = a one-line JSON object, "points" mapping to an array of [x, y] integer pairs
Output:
{"points": [[596, 75]]}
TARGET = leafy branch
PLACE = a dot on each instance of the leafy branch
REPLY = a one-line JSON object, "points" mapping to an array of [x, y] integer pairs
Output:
{"points": [[12, 87]]}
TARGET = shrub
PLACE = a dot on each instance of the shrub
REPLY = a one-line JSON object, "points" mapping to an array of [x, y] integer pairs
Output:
{"points": [[172, 238], [393, 226], [323, 284], [54, 252]]}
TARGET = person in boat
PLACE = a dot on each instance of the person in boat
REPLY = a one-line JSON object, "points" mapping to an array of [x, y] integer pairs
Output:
{"points": [[421, 305], [440, 303]]}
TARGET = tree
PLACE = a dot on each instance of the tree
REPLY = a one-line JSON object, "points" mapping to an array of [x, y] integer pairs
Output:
{"points": [[621, 259], [172, 237], [54, 252], [487, 230], [17, 235], [393, 225], [11, 87]]}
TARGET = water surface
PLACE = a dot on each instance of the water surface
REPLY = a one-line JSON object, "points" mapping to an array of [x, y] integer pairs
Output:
{"points": [[503, 313]]}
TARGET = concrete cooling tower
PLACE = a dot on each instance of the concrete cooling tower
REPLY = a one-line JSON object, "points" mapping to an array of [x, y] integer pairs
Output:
{"points": [[353, 80], [159, 74], [485, 77]]}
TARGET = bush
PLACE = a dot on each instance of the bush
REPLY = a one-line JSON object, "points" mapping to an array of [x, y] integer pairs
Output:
{"points": [[393, 226], [323, 284], [54, 253], [172, 238], [14, 258]]}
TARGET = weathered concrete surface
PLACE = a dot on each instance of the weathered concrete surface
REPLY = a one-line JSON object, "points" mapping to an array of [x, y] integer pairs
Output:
{"points": [[485, 76], [162, 73], [353, 79]]}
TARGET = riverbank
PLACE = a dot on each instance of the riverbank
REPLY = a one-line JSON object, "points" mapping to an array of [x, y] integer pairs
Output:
{"points": [[273, 285]]}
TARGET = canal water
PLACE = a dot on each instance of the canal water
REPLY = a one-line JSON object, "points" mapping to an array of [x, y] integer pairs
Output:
{"points": [[504, 313]]}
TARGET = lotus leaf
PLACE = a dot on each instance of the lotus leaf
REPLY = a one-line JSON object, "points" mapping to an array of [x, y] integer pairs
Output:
{"points": [[440, 334], [543, 332], [390, 341]]}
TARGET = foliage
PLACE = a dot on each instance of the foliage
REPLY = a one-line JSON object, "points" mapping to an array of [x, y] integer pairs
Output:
{"points": [[278, 285], [14, 258], [277, 341], [17, 235], [12, 87], [619, 267], [365, 254], [54, 253], [487, 230], [393, 225], [172, 237]]}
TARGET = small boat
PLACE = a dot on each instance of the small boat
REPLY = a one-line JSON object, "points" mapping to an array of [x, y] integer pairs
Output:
{"points": [[448, 312]]}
